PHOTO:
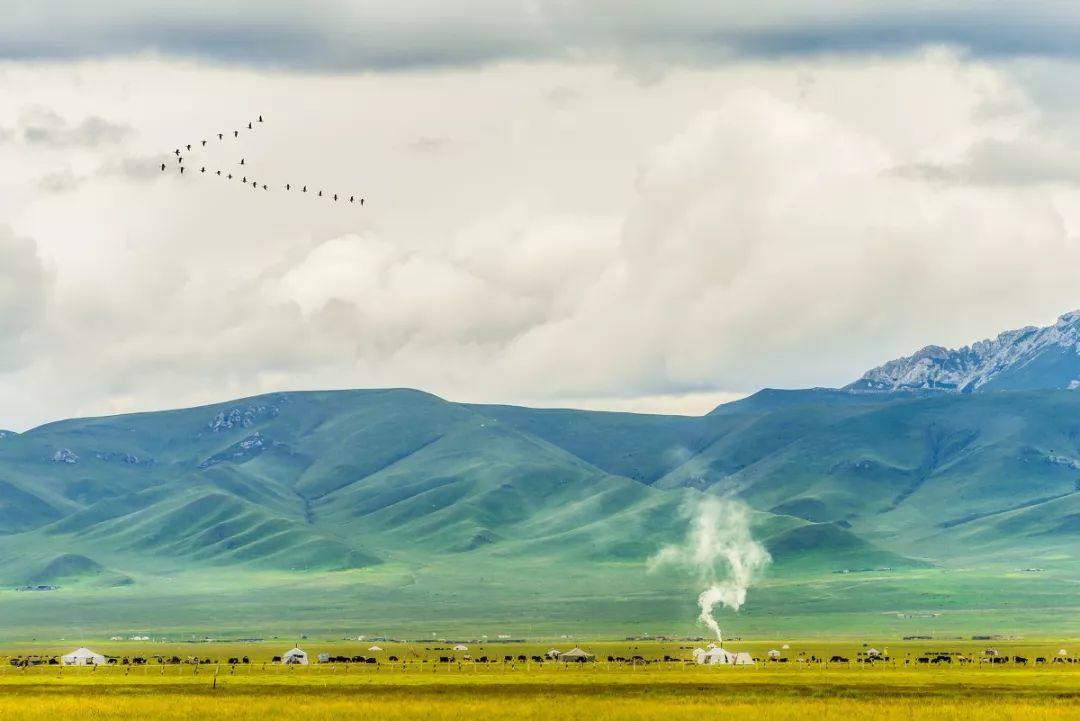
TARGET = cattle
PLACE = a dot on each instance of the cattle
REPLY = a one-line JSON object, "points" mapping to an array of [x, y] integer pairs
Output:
{"points": [[838, 659], [1040, 659], [138, 661], [507, 659], [1020, 660], [522, 657], [392, 658], [372, 660], [233, 661], [445, 659], [276, 659]]}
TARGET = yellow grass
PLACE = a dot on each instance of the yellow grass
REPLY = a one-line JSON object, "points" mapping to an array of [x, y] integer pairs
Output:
{"points": [[420, 689]]}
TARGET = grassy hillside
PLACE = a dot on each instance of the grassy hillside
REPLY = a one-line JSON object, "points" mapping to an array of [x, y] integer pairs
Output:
{"points": [[315, 508]]}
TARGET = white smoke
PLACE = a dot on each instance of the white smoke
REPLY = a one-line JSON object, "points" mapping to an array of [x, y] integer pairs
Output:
{"points": [[721, 550]]}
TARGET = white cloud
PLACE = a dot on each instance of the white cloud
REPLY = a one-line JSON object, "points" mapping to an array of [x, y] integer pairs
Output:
{"points": [[575, 237]]}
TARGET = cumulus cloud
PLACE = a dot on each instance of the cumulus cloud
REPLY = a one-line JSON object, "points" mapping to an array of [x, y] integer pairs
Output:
{"points": [[367, 34], [44, 126], [658, 246], [23, 295]]}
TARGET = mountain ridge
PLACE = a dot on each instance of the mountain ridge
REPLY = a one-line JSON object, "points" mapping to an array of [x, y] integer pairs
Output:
{"points": [[1021, 359]]}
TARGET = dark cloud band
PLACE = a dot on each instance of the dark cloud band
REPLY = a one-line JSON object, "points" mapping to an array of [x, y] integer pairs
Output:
{"points": [[355, 35]]}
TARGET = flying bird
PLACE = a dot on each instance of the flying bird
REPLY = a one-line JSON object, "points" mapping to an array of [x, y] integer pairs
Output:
{"points": [[230, 176], [202, 170], [219, 172], [361, 201], [244, 180], [352, 198], [260, 118], [180, 160], [249, 126], [305, 189], [264, 187], [204, 143], [181, 170], [177, 151], [254, 184], [221, 136], [241, 161], [163, 167], [236, 133], [287, 186], [189, 146], [320, 193]]}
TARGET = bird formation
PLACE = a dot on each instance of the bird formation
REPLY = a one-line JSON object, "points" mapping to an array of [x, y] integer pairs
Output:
{"points": [[179, 153]]}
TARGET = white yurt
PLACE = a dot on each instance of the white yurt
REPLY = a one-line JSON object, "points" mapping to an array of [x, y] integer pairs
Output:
{"points": [[773, 653], [374, 648], [295, 657], [83, 657], [552, 653], [461, 647], [1063, 652], [722, 657]]}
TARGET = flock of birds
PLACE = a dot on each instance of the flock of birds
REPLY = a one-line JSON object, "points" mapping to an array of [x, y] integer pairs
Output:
{"points": [[241, 175]]}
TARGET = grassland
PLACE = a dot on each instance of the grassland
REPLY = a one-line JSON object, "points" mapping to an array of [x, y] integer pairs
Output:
{"points": [[418, 686]]}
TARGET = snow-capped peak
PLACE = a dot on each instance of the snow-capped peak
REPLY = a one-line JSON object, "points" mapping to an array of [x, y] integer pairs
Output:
{"points": [[1025, 358]]}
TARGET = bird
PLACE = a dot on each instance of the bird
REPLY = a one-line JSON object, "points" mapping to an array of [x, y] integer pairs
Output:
{"points": [[229, 176], [219, 172], [249, 126], [352, 198], [264, 187], [204, 143], [189, 146], [177, 151], [320, 193], [202, 170], [260, 118], [181, 170], [361, 201], [241, 161], [244, 180], [236, 133], [335, 197], [287, 186], [180, 160], [305, 189], [254, 184], [221, 136], [163, 167]]}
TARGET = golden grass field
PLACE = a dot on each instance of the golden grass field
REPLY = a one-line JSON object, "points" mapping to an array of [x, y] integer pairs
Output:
{"points": [[418, 687]]}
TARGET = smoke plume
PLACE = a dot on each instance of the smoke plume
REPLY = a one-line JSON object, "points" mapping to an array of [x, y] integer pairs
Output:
{"points": [[721, 550]]}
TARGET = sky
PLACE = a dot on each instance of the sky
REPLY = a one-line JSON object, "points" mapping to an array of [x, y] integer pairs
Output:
{"points": [[648, 206]]}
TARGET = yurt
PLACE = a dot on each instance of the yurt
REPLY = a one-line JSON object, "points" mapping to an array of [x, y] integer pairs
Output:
{"points": [[295, 657], [83, 657], [374, 648], [461, 647], [552, 653], [575, 655], [773, 653], [722, 657]]}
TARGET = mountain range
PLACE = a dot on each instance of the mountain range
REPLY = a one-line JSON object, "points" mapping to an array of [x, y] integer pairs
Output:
{"points": [[943, 486]]}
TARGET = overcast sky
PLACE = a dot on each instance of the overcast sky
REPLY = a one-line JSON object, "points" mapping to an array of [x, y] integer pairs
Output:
{"points": [[652, 206]]}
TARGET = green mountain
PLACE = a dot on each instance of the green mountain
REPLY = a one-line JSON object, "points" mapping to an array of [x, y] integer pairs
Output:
{"points": [[394, 508]]}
